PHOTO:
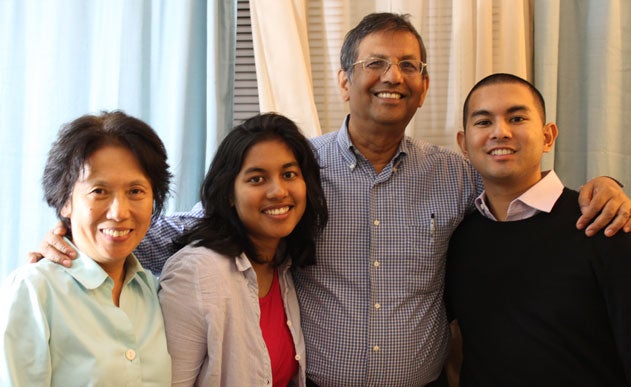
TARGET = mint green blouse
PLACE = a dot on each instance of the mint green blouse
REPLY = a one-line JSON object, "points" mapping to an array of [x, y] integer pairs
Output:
{"points": [[60, 327]]}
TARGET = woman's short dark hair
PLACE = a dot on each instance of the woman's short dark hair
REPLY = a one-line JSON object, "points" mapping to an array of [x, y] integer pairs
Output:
{"points": [[221, 229], [79, 139], [371, 23]]}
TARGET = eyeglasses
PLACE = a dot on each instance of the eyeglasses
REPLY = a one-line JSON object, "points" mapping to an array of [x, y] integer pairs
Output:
{"points": [[408, 67]]}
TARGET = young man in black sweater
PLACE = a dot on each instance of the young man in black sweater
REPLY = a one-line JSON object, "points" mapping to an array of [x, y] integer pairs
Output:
{"points": [[537, 302]]}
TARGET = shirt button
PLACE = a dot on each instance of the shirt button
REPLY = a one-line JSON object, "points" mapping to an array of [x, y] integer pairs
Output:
{"points": [[375, 222], [288, 323], [377, 305], [297, 358], [130, 354], [376, 264], [375, 348]]}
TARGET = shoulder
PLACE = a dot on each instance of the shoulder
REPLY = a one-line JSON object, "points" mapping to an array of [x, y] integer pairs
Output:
{"points": [[472, 223], [423, 151], [442, 168], [195, 263], [322, 141], [34, 283], [36, 274]]}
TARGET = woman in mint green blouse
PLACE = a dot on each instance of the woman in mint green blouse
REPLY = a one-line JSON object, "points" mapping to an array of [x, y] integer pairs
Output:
{"points": [[98, 322]]}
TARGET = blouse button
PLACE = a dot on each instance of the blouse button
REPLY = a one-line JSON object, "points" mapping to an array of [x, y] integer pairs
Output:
{"points": [[297, 358], [130, 354]]}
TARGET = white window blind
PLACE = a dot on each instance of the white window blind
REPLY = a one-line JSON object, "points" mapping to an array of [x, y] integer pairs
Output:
{"points": [[328, 23]]}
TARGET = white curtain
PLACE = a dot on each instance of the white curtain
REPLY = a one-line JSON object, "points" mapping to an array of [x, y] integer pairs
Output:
{"points": [[283, 67], [166, 62]]}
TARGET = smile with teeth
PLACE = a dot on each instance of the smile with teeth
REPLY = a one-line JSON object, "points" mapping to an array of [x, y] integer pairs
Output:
{"points": [[384, 94], [115, 233], [277, 211], [501, 152]]}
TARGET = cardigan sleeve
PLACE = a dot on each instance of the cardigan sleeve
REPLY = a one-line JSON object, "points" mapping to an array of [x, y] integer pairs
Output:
{"points": [[184, 318]]}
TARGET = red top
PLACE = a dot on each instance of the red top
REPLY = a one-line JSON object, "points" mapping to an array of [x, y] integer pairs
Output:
{"points": [[277, 336]]}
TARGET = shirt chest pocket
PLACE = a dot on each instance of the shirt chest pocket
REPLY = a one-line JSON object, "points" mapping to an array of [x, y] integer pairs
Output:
{"points": [[424, 248]]}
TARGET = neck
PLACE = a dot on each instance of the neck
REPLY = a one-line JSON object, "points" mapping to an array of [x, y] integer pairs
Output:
{"points": [[117, 274], [378, 145], [500, 196], [264, 276], [266, 251]]}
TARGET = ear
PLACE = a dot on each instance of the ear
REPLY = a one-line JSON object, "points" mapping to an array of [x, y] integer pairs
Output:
{"points": [[462, 143], [425, 88], [66, 210], [344, 83], [550, 133]]}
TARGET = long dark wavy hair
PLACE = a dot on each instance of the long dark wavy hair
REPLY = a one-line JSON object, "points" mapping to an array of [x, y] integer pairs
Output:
{"points": [[221, 229]]}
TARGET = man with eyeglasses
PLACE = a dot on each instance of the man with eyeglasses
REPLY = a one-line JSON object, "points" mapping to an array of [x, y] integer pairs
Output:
{"points": [[372, 306]]}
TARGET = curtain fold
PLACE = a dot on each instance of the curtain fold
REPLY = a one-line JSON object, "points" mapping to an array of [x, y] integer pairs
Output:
{"points": [[168, 63], [283, 66], [589, 59], [546, 60]]}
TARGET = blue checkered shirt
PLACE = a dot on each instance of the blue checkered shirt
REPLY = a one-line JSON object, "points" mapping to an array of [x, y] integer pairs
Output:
{"points": [[372, 307], [158, 244]]}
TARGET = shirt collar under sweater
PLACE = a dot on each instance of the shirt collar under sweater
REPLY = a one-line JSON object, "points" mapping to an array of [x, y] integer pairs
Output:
{"points": [[538, 198]]}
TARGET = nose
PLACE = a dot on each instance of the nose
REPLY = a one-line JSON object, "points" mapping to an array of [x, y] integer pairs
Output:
{"points": [[277, 189], [501, 131], [119, 208], [393, 73]]}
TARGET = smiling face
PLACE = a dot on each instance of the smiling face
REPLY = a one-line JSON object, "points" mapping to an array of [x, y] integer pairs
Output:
{"points": [[270, 194], [110, 207], [390, 99], [505, 136]]}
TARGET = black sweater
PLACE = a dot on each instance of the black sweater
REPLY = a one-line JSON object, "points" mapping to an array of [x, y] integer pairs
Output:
{"points": [[539, 303]]}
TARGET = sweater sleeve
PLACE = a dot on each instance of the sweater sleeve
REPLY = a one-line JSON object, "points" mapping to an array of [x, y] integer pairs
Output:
{"points": [[612, 268]]}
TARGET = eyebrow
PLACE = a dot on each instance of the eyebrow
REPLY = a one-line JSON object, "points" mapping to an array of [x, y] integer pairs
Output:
{"points": [[106, 183], [259, 169], [512, 109], [404, 57]]}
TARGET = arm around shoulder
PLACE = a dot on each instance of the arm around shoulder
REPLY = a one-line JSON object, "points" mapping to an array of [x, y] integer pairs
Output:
{"points": [[605, 205]]}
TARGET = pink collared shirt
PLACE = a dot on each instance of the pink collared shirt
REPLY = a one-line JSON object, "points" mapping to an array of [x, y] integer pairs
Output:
{"points": [[539, 198]]}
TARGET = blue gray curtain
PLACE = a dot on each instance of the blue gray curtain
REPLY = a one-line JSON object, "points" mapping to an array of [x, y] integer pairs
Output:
{"points": [[167, 62]]}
